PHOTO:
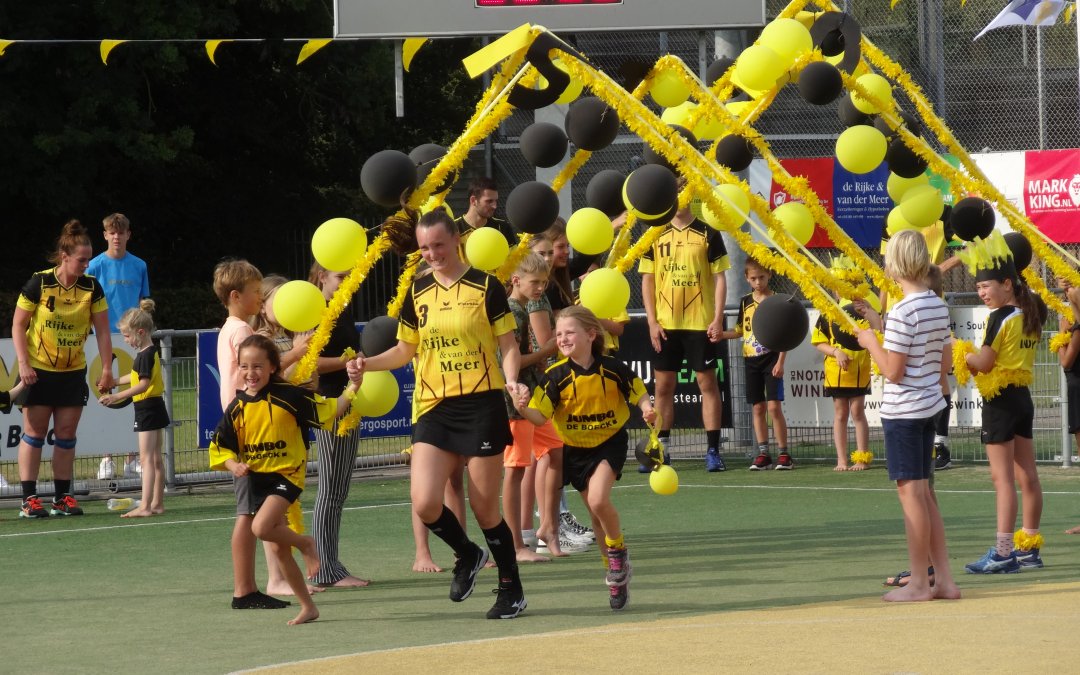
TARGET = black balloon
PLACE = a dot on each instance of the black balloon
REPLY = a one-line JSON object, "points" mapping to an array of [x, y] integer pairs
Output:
{"points": [[911, 123], [425, 157], [379, 335], [591, 124], [780, 323], [386, 175], [850, 115], [820, 83], [903, 161], [663, 218], [543, 144], [716, 69], [532, 207], [1021, 250], [972, 217], [651, 156], [604, 192], [734, 152], [651, 190]]}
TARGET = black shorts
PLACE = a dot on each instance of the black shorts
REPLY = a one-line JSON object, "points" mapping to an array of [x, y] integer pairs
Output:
{"points": [[693, 345], [1009, 414], [150, 414], [580, 463], [761, 386], [256, 487], [66, 389], [846, 392], [1072, 383], [473, 425]]}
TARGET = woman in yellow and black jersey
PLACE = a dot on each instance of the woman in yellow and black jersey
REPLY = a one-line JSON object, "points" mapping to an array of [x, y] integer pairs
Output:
{"points": [[53, 317], [452, 322], [1002, 367], [847, 381], [586, 394]]}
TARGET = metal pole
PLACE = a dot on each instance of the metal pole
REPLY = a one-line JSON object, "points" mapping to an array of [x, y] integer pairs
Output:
{"points": [[1039, 84], [489, 143], [1066, 437], [168, 445], [399, 79]]}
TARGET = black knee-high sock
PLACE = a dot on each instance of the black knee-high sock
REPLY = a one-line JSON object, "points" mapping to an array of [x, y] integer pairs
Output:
{"points": [[501, 542], [449, 530]]}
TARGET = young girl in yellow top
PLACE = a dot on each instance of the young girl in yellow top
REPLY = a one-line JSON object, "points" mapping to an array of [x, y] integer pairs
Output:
{"points": [[847, 380], [586, 395]]}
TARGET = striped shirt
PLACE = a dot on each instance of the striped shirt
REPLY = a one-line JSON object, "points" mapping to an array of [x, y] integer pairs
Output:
{"points": [[918, 327]]}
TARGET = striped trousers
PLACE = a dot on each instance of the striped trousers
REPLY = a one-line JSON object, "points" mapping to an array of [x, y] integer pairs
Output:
{"points": [[337, 455]]}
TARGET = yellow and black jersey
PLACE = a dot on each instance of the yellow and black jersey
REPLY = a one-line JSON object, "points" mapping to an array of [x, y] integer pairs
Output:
{"points": [[1005, 335], [685, 261], [588, 406], [465, 229], [61, 318], [456, 331], [744, 327], [268, 431], [147, 366], [857, 374]]}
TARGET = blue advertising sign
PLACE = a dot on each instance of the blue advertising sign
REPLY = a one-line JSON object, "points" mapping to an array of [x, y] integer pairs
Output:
{"points": [[861, 203]]}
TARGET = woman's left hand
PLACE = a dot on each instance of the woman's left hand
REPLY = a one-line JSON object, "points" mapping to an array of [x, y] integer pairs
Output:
{"points": [[106, 382]]}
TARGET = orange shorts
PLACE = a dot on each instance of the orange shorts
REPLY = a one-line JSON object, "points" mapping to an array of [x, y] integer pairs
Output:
{"points": [[530, 441]]}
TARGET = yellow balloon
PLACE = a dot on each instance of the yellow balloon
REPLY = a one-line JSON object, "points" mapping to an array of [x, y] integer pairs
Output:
{"points": [[668, 90], [878, 87], [733, 200], [759, 67], [606, 292], [378, 393], [708, 128], [572, 91], [740, 108], [298, 306], [589, 231], [897, 186], [679, 115], [486, 248], [433, 201], [664, 481], [861, 148], [338, 244], [789, 38], [897, 223], [796, 220], [922, 205]]}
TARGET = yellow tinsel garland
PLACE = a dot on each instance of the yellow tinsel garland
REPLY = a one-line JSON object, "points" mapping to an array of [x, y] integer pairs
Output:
{"points": [[622, 240], [512, 261], [861, 457], [637, 250], [960, 350], [1052, 300], [989, 384], [1060, 341], [1026, 542], [408, 273]]}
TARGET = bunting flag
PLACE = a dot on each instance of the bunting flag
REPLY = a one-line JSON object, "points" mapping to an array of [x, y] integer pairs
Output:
{"points": [[211, 48], [106, 48], [1069, 11], [310, 47], [408, 50], [1026, 13]]}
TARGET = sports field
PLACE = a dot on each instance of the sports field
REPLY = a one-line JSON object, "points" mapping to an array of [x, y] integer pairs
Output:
{"points": [[740, 571]]}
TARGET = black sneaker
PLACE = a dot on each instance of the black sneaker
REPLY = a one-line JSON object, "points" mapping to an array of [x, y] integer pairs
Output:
{"points": [[32, 508], [65, 506], [509, 602], [465, 571], [258, 600], [942, 458]]}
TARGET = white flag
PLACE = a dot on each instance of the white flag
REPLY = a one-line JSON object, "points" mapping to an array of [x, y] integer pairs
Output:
{"points": [[1026, 13]]}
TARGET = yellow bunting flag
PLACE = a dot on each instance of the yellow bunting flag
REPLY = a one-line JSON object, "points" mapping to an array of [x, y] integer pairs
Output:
{"points": [[4, 44], [211, 48], [893, 4], [310, 47], [485, 58], [106, 48], [409, 49]]}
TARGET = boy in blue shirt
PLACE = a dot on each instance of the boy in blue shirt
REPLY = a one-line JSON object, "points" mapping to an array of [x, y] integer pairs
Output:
{"points": [[122, 274]]}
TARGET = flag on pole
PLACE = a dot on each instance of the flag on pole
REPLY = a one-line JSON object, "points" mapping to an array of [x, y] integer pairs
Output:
{"points": [[1026, 13]]}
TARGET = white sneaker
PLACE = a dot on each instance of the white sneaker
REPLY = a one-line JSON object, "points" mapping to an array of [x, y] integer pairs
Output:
{"points": [[571, 528], [107, 469]]}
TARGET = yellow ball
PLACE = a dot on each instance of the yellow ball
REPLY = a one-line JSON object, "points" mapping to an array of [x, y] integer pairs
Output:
{"points": [[668, 89], [759, 67], [486, 248], [878, 87], [589, 231], [606, 292], [679, 115], [664, 481], [861, 148], [734, 202], [897, 186], [572, 91], [298, 306], [378, 393], [796, 220], [789, 38], [922, 205], [338, 244], [897, 223]]}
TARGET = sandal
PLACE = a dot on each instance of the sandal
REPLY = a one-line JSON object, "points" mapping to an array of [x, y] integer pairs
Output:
{"points": [[901, 579]]}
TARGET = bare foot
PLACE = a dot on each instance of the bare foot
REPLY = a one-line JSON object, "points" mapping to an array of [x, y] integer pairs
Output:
{"points": [[305, 616], [137, 513], [909, 593], [1073, 530], [490, 564], [946, 592], [286, 589], [157, 510], [840, 467], [426, 565], [527, 555], [349, 582], [311, 558], [859, 466]]}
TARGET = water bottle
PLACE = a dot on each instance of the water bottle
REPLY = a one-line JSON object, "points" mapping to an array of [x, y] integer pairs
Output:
{"points": [[122, 504]]}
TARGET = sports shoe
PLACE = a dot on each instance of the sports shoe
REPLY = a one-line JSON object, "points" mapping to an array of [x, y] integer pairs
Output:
{"points": [[1028, 559], [258, 600], [761, 462], [942, 458], [107, 469], [992, 563], [509, 602], [618, 573], [565, 545], [784, 462], [32, 508], [619, 597], [713, 461], [572, 524], [66, 506], [465, 571]]}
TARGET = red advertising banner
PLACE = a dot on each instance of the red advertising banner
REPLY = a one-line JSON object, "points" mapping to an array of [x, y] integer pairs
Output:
{"points": [[1052, 193], [819, 172]]}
